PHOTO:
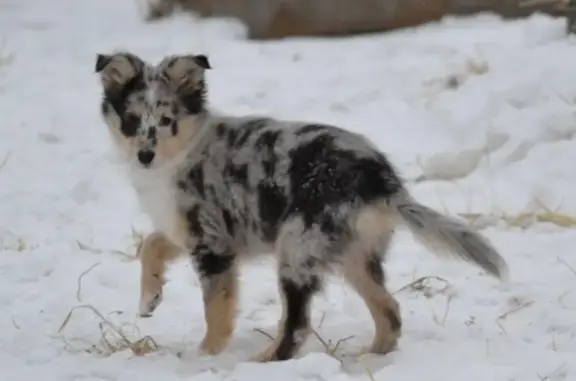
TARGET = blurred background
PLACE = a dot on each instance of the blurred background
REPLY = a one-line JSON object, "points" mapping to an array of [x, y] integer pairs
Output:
{"points": [[267, 19]]}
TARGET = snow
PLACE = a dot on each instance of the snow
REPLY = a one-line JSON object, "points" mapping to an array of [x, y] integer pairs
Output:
{"points": [[477, 114]]}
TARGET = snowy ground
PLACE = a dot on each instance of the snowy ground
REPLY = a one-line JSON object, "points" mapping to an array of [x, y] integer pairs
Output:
{"points": [[485, 105]]}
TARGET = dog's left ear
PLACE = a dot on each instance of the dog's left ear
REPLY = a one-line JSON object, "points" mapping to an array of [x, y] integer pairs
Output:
{"points": [[102, 60], [202, 61], [185, 72]]}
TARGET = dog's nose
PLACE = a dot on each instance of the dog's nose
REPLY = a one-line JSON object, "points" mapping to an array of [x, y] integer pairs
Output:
{"points": [[145, 157]]}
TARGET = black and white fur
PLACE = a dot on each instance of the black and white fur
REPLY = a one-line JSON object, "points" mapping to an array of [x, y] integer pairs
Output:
{"points": [[222, 188]]}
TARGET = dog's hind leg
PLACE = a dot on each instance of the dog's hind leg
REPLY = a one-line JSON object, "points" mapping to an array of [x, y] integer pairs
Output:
{"points": [[364, 271], [294, 325], [302, 252], [218, 274]]}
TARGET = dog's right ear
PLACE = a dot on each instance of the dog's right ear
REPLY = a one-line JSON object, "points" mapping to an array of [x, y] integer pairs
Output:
{"points": [[117, 69]]}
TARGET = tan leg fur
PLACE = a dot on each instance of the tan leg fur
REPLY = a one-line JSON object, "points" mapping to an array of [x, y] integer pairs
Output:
{"points": [[383, 307], [155, 254], [220, 301]]}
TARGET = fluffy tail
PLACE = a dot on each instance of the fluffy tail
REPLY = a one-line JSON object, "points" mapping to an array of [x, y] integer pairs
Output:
{"points": [[446, 235]]}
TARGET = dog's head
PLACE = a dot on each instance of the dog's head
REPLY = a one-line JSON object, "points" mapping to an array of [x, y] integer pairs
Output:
{"points": [[152, 111]]}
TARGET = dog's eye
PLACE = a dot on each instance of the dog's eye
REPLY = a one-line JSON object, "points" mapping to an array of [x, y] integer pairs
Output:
{"points": [[165, 121], [130, 125]]}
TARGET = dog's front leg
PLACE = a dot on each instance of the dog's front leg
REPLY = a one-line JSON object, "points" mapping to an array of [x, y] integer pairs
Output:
{"points": [[155, 253]]}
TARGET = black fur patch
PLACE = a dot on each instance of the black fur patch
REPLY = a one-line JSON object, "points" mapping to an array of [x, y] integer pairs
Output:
{"points": [[165, 121], [196, 176], [210, 263], [202, 61], [269, 165], [229, 221], [182, 185], [193, 218], [130, 124], [297, 301], [221, 130], [210, 193], [267, 140], [248, 129], [117, 96], [265, 143], [194, 100], [322, 174], [231, 138], [102, 61], [237, 173], [105, 107], [152, 134], [272, 204], [333, 226]]}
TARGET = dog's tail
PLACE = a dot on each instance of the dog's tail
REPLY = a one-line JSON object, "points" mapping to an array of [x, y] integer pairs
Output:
{"points": [[446, 235]]}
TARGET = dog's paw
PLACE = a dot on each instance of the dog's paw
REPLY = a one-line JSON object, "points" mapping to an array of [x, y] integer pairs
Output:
{"points": [[266, 356], [148, 304], [212, 345]]}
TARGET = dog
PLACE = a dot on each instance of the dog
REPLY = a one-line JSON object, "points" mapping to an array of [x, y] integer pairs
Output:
{"points": [[223, 189]]}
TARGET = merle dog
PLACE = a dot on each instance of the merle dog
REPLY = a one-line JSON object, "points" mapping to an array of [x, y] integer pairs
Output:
{"points": [[222, 188]]}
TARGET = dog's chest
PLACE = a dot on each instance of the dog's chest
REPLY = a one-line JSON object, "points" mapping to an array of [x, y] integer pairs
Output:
{"points": [[157, 196]]}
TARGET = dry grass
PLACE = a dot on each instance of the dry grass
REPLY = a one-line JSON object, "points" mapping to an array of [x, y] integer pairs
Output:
{"points": [[130, 254], [516, 308], [562, 297], [522, 220], [79, 281], [551, 375], [535, 212], [423, 286], [330, 347], [566, 264], [113, 338]]}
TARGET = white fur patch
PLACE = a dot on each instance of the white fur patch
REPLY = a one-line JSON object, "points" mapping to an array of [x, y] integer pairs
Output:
{"points": [[156, 192]]}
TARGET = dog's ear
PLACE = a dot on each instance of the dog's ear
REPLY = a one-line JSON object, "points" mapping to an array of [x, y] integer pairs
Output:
{"points": [[185, 72], [101, 61], [202, 61], [117, 69]]}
